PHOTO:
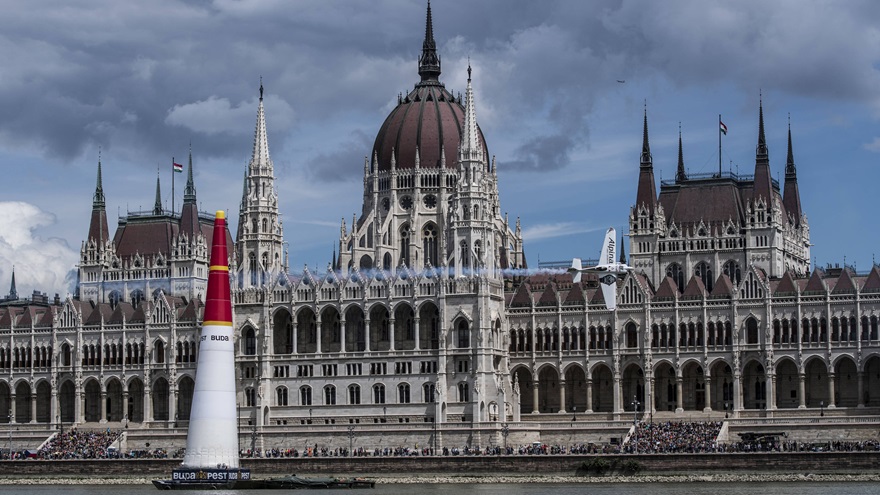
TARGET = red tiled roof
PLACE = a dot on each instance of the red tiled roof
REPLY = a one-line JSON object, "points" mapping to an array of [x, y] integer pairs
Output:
{"points": [[548, 297], [723, 287], [521, 298], [786, 284], [695, 288], [816, 284], [668, 289], [872, 283], [844, 283]]}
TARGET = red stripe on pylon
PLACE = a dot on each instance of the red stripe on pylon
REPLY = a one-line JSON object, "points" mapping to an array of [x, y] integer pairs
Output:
{"points": [[218, 306]]}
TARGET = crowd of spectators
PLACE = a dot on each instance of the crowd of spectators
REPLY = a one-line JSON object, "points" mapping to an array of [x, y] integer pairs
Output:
{"points": [[674, 437], [647, 438], [80, 444]]}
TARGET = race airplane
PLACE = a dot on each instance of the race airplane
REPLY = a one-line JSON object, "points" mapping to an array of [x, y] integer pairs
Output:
{"points": [[608, 269]]}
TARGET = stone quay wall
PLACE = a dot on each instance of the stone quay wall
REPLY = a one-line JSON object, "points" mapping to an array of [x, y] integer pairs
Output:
{"points": [[450, 466]]}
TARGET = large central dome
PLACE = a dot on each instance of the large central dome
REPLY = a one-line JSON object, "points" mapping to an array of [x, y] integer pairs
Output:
{"points": [[429, 118]]}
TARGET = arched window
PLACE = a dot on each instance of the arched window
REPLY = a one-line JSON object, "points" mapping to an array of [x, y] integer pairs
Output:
{"points": [[281, 396], [386, 262], [478, 254], [252, 266], [65, 354], [751, 331], [464, 394], [250, 342], [404, 245], [428, 391], [632, 335], [464, 334], [329, 395], [265, 225], [704, 272], [675, 272], [159, 351], [731, 269], [378, 394], [403, 393], [250, 397], [354, 394], [429, 244], [465, 258], [305, 395]]}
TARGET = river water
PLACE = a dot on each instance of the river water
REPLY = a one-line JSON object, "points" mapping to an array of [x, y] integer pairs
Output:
{"points": [[704, 488]]}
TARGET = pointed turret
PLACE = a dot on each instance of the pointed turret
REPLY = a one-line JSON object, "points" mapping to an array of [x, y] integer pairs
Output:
{"points": [[260, 156], [189, 193], [470, 141], [791, 198], [763, 184], [646, 194], [157, 205], [622, 258], [189, 214], [259, 245], [429, 61], [13, 294], [98, 225], [680, 175]]}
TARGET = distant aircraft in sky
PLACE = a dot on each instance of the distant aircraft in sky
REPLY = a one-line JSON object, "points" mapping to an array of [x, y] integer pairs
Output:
{"points": [[621, 81], [608, 269]]}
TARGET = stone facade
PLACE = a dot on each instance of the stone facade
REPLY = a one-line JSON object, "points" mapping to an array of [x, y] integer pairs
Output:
{"points": [[429, 315]]}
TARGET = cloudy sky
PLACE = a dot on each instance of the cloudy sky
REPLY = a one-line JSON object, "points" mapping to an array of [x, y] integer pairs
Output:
{"points": [[140, 81]]}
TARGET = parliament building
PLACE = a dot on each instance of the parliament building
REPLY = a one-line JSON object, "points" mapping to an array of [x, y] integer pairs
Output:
{"points": [[428, 317]]}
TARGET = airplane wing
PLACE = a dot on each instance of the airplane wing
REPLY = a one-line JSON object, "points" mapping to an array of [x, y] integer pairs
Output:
{"points": [[576, 270], [608, 248], [608, 283]]}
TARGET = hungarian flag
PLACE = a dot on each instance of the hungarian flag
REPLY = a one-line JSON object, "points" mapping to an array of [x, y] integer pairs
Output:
{"points": [[723, 128], [179, 168]]}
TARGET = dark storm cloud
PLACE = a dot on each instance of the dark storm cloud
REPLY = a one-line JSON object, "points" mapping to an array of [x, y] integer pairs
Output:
{"points": [[339, 164], [113, 73], [542, 153]]}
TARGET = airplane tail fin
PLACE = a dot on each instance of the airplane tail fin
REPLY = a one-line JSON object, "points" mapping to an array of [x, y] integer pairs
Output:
{"points": [[609, 290], [608, 248], [576, 270]]}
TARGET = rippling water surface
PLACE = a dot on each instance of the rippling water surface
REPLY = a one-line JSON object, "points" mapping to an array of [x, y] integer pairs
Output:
{"points": [[798, 488]]}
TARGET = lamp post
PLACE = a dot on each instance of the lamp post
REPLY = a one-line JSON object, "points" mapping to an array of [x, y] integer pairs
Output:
{"points": [[821, 408], [350, 440], [725, 410], [310, 415], [505, 430], [9, 446], [573, 413], [635, 404]]}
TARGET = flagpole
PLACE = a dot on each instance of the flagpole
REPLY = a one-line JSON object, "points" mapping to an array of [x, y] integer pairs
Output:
{"points": [[719, 145], [174, 172]]}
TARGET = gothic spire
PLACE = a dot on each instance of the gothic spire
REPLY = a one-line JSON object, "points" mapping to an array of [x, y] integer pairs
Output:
{"points": [[189, 193], [13, 294], [429, 61], [791, 197], [98, 223], [470, 142], [763, 183], [680, 175], [762, 141], [260, 157], [646, 147], [646, 194], [789, 162], [98, 201], [622, 258], [157, 206]]}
